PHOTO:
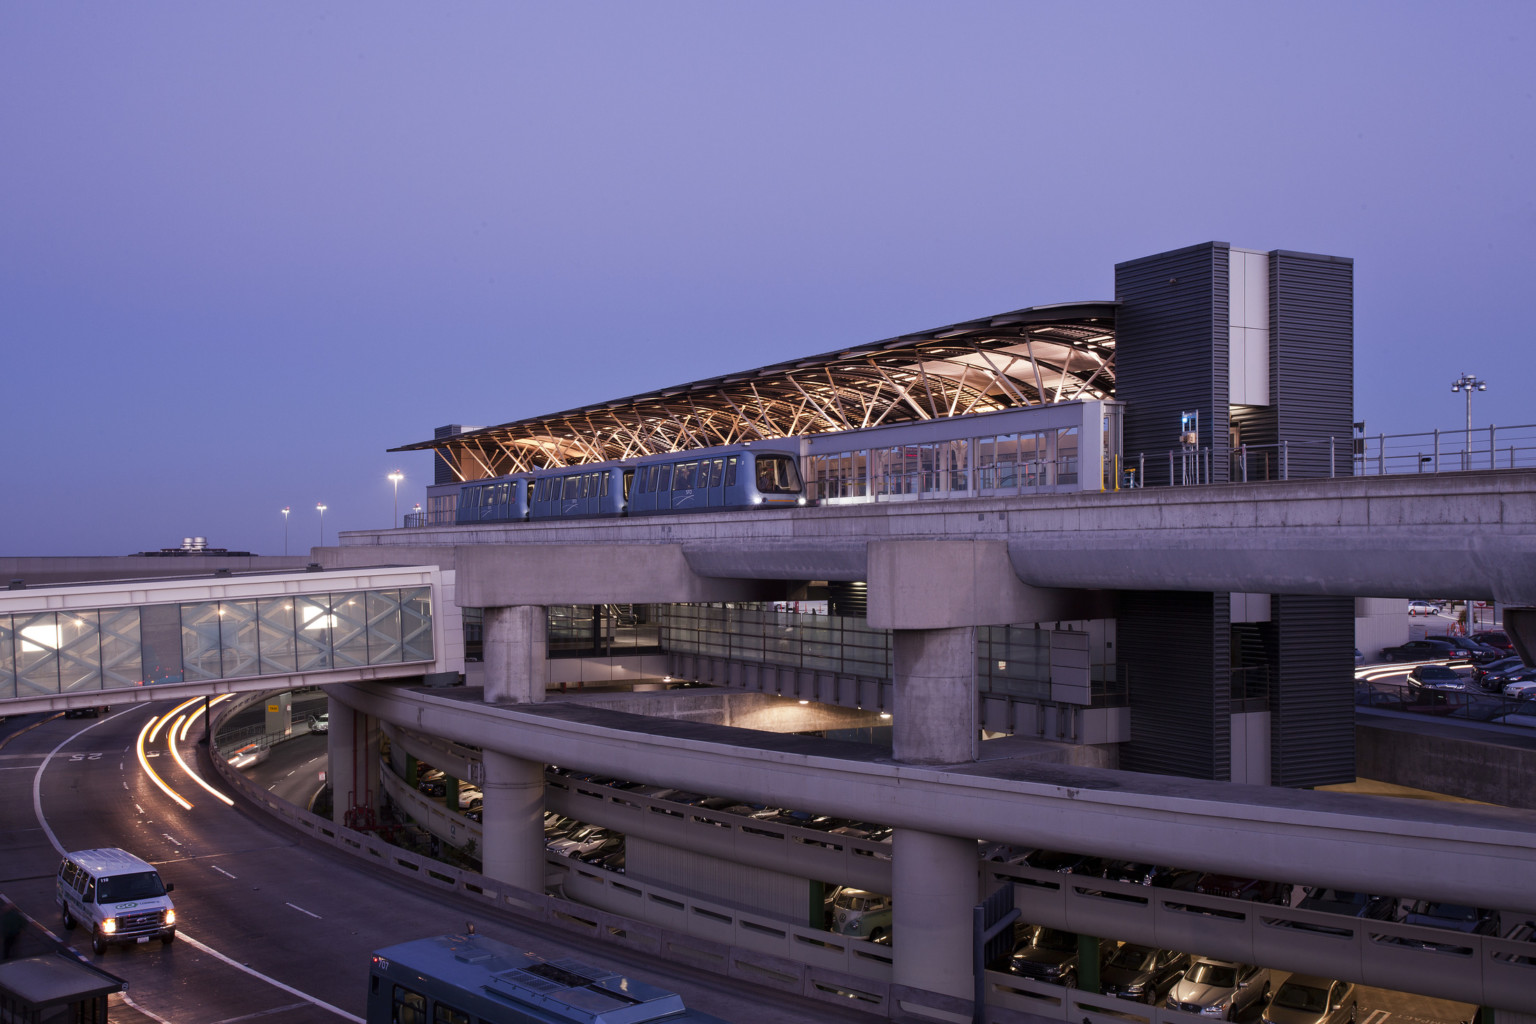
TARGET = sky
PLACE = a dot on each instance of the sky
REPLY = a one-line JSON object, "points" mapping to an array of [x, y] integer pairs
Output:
{"points": [[247, 248]]}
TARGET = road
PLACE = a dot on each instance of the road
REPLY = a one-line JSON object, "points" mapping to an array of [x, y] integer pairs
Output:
{"points": [[269, 925]]}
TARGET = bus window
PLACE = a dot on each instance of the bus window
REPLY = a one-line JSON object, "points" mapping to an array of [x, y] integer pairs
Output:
{"points": [[715, 469], [776, 474], [443, 1014], [409, 1007]]}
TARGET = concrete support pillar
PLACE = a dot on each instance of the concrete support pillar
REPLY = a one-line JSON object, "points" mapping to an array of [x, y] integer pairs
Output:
{"points": [[1520, 624], [513, 821], [353, 765], [934, 720], [933, 883], [515, 642]]}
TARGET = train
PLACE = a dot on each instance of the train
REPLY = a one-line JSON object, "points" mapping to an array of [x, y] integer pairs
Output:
{"points": [[724, 478], [472, 979]]}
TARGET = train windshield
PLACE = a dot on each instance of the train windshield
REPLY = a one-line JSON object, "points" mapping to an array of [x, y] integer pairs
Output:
{"points": [[777, 474]]}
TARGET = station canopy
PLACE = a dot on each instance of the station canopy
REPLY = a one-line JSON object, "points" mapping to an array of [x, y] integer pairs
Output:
{"points": [[1035, 356]]}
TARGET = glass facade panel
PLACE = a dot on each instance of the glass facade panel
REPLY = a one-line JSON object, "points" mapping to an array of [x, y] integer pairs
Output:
{"points": [[314, 621], [160, 637], [349, 630], [416, 624], [383, 626], [121, 663], [200, 641], [7, 658], [274, 635], [37, 654], [238, 639], [79, 651]]}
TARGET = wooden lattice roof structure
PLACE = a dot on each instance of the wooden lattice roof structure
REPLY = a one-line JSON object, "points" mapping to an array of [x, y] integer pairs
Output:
{"points": [[1028, 357]]}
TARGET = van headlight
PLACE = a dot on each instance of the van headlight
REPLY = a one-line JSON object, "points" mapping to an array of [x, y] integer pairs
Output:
{"points": [[109, 926], [170, 916]]}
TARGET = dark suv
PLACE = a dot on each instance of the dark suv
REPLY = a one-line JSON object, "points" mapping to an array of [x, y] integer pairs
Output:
{"points": [[1426, 650], [1234, 887]]}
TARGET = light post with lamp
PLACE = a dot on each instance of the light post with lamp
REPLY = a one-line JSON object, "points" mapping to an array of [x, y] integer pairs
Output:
{"points": [[417, 510], [286, 510], [395, 477], [1468, 383], [320, 507]]}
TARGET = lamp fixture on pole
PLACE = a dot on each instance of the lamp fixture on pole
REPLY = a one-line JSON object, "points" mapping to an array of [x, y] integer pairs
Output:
{"points": [[320, 507], [286, 510], [395, 477], [1468, 383]]}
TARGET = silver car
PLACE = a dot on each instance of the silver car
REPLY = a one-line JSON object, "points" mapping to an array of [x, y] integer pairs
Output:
{"points": [[1219, 988], [1308, 999]]}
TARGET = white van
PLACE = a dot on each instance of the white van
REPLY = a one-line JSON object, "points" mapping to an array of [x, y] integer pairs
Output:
{"points": [[117, 895]]}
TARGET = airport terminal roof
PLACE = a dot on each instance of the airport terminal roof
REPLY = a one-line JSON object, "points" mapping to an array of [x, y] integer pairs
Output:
{"points": [[1033, 356]]}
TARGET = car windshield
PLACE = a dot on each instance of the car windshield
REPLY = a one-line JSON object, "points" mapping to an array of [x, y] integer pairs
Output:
{"points": [[1214, 975], [141, 885], [850, 901], [1295, 996], [1134, 958], [1060, 941], [1437, 672]]}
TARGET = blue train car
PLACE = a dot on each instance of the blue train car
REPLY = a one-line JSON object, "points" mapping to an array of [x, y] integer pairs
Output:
{"points": [[470, 979], [744, 476], [499, 500], [580, 492]]}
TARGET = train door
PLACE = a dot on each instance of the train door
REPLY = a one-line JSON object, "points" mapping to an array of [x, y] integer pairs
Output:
{"points": [[685, 486], [716, 483], [663, 488], [629, 482]]}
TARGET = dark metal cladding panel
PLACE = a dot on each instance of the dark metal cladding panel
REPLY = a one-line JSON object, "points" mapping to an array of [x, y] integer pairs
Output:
{"points": [[1176, 647], [1312, 693], [1171, 340], [1312, 360]]}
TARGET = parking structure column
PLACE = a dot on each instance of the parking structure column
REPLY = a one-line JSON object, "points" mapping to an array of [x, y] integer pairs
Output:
{"points": [[934, 878], [515, 653], [513, 823], [352, 765], [934, 692]]}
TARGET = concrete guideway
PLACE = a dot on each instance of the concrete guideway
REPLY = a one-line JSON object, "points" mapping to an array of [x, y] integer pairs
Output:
{"points": [[1321, 838]]}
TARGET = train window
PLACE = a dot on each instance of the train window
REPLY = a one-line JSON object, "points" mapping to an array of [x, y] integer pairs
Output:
{"points": [[592, 485], [629, 479], [730, 471], [776, 474], [571, 489], [663, 478], [443, 1014], [682, 476], [409, 1007], [604, 481], [715, 469]]}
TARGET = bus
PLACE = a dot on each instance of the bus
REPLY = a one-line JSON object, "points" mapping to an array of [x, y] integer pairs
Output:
{"points": [[471, 979]]}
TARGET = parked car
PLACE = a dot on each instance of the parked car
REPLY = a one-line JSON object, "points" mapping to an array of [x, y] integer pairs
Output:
{"points": [[1495, 638], [1450, 916], [601, 851], [1155, 875], [1234, 887], [1142, 973], [1491, 675], [1521, 685], [1051, 955], [1309, 999], [1061, 863], [580, 841], [863, 914], [1426, 650], [1221, 988], [1434, 677], [1352, 904], [320, 722], [1423, 608], [1480, 653]]}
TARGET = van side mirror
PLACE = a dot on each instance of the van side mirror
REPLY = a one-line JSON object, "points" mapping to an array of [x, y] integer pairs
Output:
{"points": [[170, 886]]}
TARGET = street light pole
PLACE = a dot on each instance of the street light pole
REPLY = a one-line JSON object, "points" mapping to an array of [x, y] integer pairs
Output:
{"points": [[286, 510], [395, 478], [320, 507], [1468, 383]]}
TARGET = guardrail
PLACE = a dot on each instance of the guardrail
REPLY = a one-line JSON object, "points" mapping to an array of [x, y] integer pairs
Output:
{"points": [[1469, 705]]}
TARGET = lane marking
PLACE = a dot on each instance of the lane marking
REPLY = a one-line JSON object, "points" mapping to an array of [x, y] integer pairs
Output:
{"points": [[1376, 1017], [301, 910], [181, 936], [221, 871], [261, 1013], [311, 1000], [138, 808], [170, 837], [151, 1014]]}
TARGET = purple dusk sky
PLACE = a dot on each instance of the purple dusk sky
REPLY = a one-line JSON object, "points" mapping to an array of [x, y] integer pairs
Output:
{"points": [[245, 248]]}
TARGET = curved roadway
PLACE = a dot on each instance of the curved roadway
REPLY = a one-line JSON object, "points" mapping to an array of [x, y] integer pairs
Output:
{"points": [[270, 926]]}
